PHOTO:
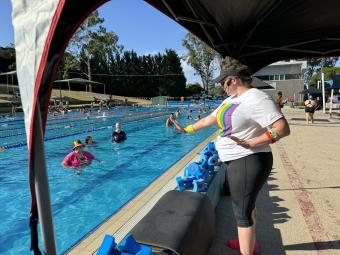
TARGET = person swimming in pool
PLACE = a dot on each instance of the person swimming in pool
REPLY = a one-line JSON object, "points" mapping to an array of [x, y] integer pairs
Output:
{"points": [[169, 120], [118, 135], [178, 113], [78, 157], [89, 140]]}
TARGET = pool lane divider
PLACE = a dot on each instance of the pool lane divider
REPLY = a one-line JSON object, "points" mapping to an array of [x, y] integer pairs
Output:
{"points": [[94, 122], [17, 145], [78, 123]]}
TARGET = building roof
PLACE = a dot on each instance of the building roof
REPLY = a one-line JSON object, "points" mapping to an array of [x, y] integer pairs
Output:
{"points": [[291, 62]]}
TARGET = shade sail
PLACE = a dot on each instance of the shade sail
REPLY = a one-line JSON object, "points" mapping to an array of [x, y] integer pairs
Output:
{"points": [[8, 73], [79, 81], [260, 32], [312, 91]]}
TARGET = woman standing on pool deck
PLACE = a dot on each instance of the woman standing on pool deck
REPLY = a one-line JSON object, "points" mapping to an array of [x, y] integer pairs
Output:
{"points": [[249, 121]]}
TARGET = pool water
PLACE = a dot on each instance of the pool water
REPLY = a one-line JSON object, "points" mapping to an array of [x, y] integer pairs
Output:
{"points": [[82, 200]]}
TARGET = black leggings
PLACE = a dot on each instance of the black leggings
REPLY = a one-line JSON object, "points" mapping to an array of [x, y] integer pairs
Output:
{"points": [[246, 177]]}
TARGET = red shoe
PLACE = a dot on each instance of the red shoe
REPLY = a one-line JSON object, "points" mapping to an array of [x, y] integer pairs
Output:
{"points": [[235, 245]]}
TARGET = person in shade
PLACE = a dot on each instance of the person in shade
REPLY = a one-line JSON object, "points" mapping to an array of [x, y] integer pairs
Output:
{"points": [[118, 135], [249, 121], [78, 157]]}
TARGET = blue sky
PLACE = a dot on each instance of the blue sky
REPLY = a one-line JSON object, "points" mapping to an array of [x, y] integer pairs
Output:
{"points": [[139, 26]]}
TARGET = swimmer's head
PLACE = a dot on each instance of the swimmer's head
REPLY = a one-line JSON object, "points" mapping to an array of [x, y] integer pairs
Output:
{"points": [[88, 139], [77, 145], [118, 126]]}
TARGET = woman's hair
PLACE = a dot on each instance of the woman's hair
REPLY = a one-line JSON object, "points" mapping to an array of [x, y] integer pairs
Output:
{"points": [[228, 63]]}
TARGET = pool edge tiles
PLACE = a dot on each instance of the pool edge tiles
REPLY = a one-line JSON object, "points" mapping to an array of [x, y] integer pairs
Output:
{"points": [[122, 222]]}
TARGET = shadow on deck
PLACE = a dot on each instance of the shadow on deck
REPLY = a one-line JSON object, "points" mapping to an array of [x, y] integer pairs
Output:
{"points": [[269, 213]]}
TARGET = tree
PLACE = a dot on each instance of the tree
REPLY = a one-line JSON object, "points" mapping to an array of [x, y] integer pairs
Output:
{"points": [[174, 83], [314, 65], [7, 58], [195, 88], [329, 75], [201, 57], [92, 45], [68, 66]]}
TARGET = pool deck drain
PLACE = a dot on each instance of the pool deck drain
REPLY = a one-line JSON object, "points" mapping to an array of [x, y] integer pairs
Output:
{"points": [[127, 217]]}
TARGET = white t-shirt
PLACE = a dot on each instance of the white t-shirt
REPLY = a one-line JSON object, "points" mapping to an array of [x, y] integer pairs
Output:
{"points": [[245, 117]]}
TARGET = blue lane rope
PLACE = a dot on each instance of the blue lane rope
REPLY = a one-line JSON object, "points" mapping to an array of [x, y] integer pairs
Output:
{"points": [[68, 120], [11, 146], [63, 125]]}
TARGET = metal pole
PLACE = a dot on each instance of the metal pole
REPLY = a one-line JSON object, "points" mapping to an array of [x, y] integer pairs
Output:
{"points": [[12, 84], [323, 93], [7, 83], [41, 185]]}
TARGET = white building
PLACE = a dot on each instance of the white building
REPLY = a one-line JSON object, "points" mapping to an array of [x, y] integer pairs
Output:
{"points": [[285, 76]]}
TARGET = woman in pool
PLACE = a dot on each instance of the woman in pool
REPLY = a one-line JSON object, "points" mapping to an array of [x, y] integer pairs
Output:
{"points": [[78, 157], [118, 135], [89, 140]]}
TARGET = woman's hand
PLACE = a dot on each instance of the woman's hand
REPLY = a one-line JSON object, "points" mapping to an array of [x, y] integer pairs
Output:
{"points": [[178, 126], [244, 143]]}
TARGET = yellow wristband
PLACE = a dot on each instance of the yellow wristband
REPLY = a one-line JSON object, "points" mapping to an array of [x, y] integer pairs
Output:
{"points": [[189, 129]]}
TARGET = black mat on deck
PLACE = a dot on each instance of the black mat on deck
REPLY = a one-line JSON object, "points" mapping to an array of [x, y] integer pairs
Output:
{"points": [[182, 222]]}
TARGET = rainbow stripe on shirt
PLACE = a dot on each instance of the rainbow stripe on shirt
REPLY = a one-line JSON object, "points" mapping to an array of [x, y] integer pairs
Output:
{"points": [[223, 118]]}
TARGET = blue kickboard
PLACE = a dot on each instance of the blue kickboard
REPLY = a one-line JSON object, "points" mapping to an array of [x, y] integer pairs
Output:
{"points": [[145, 250], [129, 246], [107, 246]]}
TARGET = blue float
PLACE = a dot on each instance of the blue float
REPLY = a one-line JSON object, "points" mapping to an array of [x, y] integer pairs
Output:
{"points": [[197, 175], [129, 246], [108, 246]]}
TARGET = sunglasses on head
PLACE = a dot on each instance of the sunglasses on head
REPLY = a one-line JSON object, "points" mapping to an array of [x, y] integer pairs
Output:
{"points": [[228, 81]]}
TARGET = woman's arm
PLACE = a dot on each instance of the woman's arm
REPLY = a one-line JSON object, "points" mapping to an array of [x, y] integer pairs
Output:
{"points": [[280, 127], [202, 123]]}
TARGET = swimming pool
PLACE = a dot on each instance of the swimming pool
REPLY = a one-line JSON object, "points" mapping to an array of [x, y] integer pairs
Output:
{"points": [[80, 202]]}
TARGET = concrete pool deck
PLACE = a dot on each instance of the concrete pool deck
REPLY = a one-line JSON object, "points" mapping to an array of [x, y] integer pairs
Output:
{"points": [[298, 208]]}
